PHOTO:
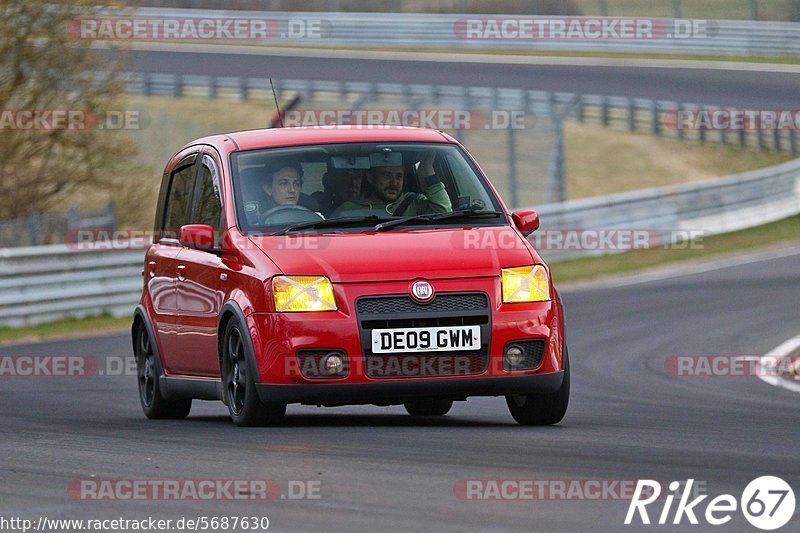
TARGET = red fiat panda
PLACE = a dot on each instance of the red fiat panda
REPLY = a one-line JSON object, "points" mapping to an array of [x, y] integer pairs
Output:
{"points": [[346, 265]]}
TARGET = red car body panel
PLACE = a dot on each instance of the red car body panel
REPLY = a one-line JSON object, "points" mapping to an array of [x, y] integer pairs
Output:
{"points": [[185, 306]]}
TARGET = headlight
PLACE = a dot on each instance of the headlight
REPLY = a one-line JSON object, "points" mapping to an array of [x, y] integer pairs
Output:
{"points": [[303, 293], [526, 284]]}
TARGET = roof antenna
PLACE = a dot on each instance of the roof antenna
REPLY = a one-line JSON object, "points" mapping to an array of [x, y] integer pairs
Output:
{"points": [[274, 95]]}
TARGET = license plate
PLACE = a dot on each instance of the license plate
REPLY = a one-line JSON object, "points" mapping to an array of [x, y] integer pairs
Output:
{"points": [[451, 339]]}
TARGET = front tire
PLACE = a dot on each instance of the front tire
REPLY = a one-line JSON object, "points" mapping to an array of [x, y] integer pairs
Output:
{"points": [[153, 403], [542, 409], [244, 405], [428, 407]]}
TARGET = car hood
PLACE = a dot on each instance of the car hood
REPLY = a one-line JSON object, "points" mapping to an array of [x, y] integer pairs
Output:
{"points": [[399, 254]]}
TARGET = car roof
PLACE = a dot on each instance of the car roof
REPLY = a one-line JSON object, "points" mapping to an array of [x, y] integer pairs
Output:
{"points": [[274, 137]]}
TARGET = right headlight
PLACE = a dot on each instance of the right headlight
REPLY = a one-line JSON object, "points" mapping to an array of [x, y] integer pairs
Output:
{"points": [[525, 284]]}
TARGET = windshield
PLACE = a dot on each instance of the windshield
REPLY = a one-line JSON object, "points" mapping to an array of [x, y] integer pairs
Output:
{"points": [[357, 186]]}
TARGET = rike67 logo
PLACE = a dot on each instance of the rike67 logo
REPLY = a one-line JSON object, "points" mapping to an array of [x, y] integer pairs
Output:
{"points": [[767, 502]]}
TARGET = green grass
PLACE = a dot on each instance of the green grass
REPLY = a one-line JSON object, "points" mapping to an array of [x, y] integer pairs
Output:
{"points": [[785, 230], [66, 328]]}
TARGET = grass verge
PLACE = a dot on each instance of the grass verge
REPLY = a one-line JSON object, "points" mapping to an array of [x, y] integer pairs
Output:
{"points": [[65, 329], [588, 268]]}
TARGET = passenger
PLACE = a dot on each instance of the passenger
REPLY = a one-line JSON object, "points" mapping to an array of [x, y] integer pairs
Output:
{"points": [[386, 193]]}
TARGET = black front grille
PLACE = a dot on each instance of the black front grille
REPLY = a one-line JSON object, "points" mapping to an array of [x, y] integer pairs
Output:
{"points": [[441, 303], [533, 353], [425, 322]]}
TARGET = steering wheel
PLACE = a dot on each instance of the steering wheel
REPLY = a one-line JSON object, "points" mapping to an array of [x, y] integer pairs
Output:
{"points": [[275, 212]]}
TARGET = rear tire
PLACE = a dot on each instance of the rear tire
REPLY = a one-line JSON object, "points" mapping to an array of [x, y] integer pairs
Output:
{"points": [[244, 405], [542, 409], [153, 403], [428, 407]]}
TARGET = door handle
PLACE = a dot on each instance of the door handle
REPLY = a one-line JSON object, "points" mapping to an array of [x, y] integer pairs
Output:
{"points": [[182, 272]]}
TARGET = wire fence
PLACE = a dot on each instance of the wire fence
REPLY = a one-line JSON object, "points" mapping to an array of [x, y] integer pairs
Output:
{"points": [[516, 134]]}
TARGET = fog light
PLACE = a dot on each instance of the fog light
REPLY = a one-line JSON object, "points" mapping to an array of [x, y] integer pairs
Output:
{"points": [[332, 364], [514, 357]]}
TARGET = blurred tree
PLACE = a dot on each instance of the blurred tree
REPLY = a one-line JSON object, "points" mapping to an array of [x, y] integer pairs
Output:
{"points": [[45, 68]]}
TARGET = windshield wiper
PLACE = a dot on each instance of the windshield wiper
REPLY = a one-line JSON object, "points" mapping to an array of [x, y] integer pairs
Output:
{"points": [[463, 213], [331, 222]]}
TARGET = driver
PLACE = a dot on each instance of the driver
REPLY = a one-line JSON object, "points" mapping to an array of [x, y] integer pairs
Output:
{"points": [[283, 183], [386, 196]]}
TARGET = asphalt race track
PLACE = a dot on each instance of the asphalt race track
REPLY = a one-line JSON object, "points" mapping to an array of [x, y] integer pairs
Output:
{"points": [[755, 90], [381, 470]]}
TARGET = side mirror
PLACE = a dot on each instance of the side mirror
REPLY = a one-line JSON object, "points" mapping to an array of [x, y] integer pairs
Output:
{"points": [[526, 221], [199, 236]]}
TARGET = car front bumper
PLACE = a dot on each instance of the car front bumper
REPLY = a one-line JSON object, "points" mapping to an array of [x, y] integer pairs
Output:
{"points": [[398, 391]]}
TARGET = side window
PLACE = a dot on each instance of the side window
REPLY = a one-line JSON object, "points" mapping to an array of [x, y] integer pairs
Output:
{"points": [[208, 208], [469, 192], [179, 198]]}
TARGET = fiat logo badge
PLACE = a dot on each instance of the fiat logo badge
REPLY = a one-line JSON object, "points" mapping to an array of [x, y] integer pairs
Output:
{"points": [[422, 291]]}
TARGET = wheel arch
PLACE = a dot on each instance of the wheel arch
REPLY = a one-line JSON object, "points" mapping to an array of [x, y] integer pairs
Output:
{"points": [[140, 318], [232, 311]]}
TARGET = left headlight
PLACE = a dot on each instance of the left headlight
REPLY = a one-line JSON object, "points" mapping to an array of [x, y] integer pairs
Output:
{"points": [[293, 294], [526, 284]]}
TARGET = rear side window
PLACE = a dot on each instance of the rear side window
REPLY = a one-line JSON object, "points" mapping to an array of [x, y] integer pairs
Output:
{"points": [[178, 209]]}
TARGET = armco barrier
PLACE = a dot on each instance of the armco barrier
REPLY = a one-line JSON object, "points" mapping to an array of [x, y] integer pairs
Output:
{"points": [[720, 205], [45, 283], [417, 30]]}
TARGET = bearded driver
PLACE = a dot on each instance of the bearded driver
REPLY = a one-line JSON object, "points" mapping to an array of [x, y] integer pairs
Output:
{"points": [[386, 191]]}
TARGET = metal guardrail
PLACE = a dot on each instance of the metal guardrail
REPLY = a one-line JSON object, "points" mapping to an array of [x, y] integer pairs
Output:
{"points": [[734, 9], [44, 283], [412, 30], [719, 205]]}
